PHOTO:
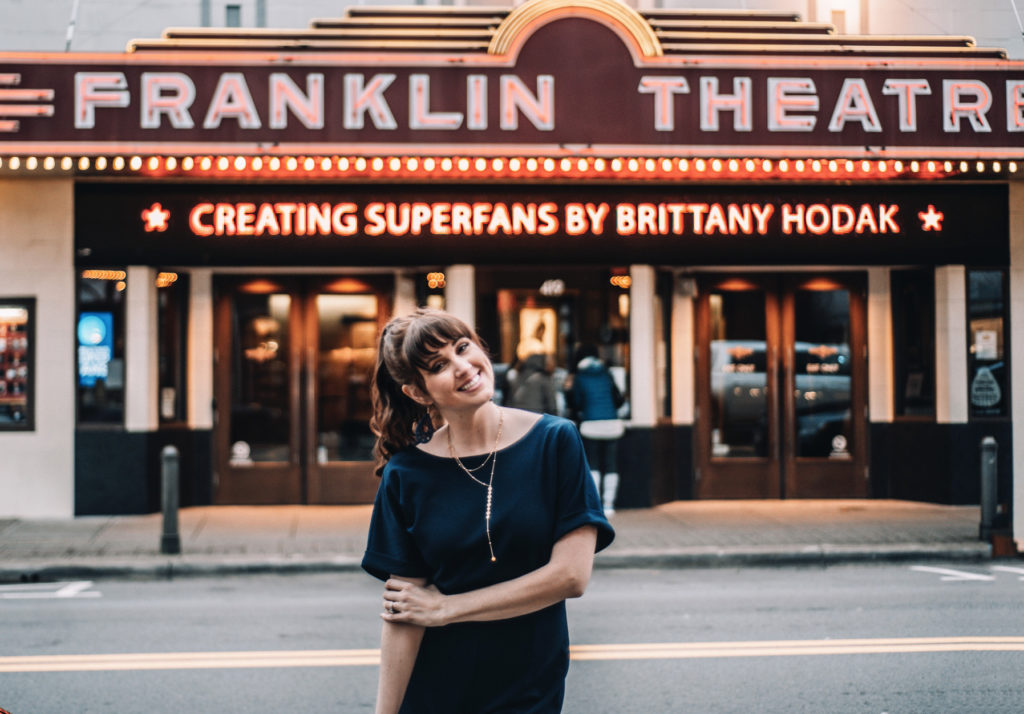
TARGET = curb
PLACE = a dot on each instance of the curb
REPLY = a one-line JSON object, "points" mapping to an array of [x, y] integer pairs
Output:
{"points": [[170, 567], [805, 555]]}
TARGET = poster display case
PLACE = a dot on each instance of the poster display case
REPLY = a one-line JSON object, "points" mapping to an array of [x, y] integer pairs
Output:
{"points": [[17, 348]]}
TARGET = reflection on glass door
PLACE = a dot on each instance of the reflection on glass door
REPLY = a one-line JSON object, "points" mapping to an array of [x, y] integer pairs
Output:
{"points": [[261, 410], [293, 373], [781, 388], [342, 335], [346, 348], [823, 410], [739, 382]]}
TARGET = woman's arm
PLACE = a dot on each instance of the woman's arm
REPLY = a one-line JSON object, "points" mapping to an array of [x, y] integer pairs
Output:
{"points": [[564, 576], [399, 644]]}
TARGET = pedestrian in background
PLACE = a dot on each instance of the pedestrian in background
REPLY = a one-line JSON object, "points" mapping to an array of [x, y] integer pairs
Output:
{"points": [[530, 386], [481, 528], [592, 393]]}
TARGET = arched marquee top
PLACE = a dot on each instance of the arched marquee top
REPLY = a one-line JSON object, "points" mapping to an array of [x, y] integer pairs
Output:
{"points": [[629, 24]]}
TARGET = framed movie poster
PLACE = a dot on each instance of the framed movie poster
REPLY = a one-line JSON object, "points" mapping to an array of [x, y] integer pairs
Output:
{"points": [[17, 363]]}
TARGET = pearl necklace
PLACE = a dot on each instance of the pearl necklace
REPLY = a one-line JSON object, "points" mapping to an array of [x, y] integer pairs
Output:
{"points": [[493, 458]]}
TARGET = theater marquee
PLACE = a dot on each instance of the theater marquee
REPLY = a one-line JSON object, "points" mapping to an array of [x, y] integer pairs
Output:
{"points": [[528, 94], [178, 224]]}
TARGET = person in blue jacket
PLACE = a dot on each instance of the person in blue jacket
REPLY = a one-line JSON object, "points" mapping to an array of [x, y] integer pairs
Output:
{"points": [[591, 391], [486, 520]]}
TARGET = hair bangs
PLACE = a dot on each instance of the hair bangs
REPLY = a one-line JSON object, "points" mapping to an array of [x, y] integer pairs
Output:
{"points": [[427, 335]]}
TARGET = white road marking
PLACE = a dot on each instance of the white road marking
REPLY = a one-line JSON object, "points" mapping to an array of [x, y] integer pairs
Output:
{"points": [[952, 575], [1008, 569], [605, 652], [48, 591]]}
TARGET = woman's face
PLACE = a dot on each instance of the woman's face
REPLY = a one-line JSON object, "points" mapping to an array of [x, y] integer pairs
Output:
{"points": [[458, 376]]}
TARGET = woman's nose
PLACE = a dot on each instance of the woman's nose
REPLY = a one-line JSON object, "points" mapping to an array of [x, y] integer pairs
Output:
{"points": [[461, 364]]}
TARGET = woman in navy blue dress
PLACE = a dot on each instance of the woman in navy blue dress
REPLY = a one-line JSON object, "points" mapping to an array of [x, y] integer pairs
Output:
{"points": [[481, 530]]}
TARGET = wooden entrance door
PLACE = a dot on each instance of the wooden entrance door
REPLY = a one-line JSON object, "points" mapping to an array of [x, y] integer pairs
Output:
{"points": [[781, 380], [293, 366]]}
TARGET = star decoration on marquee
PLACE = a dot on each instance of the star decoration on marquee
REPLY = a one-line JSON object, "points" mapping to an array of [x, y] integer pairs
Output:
{"points": [[931, 220], [156, 218]]}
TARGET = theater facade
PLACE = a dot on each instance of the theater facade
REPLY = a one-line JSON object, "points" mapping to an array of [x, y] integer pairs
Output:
{"points": [[801, 252]]}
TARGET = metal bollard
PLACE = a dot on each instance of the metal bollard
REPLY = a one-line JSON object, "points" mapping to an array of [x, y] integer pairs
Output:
{"points": [[989, 486], [170, 541]]}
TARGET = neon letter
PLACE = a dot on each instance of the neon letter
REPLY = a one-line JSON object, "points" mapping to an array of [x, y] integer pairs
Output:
{"points": [[98, 89], [231, 99], [711, 103], [957, 107], [286, 96], [362, 98], [343, 220], [790, 94], [180, 93], [195, 219], [793, 218], [420, 116], [854, 104], [906, 91], [516, 97], [575, 219], [663, 89], [476, 101], [1014, 105]]}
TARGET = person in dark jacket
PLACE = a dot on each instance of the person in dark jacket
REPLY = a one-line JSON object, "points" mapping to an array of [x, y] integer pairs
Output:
{"points": [[531, 387], [591, 391]]}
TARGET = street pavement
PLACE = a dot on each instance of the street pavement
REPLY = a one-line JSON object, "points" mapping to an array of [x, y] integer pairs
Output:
{"points": [[280, 539]]}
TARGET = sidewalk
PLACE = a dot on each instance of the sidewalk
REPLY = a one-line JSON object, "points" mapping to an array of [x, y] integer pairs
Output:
{"points": [[282, 539]]}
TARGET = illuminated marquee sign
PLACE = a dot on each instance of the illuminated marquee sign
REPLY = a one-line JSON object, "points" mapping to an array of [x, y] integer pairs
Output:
{"points": [[484, 218], [536, 98], [347, 224]]}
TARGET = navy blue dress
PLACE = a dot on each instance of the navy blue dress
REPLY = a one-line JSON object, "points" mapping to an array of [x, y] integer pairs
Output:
{"points": [[428, 522]]}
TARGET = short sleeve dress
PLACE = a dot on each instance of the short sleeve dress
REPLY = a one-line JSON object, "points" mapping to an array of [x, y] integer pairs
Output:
{"points": [[428, 522]]}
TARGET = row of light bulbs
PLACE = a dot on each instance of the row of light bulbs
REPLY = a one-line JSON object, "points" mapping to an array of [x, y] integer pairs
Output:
{"points": [[497, 166]]}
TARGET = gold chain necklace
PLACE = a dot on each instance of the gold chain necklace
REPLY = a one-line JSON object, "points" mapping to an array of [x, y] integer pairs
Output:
{"points": [[493, 458]]}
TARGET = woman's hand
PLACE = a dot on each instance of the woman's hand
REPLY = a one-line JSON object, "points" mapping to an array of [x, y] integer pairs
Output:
{"points": [[412, 604]]}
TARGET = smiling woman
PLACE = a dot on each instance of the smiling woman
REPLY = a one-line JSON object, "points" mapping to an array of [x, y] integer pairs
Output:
{"points": [[481, 529]]}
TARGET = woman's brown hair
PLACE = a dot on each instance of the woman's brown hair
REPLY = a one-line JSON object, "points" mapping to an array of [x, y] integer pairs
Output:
{"points": [[406, 344]]}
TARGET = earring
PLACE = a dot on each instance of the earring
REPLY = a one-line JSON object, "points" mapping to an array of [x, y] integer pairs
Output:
{"points": [[423, 431]]}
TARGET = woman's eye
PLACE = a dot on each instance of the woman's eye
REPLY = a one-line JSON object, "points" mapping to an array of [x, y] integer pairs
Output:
{"points": [[462, 346]]}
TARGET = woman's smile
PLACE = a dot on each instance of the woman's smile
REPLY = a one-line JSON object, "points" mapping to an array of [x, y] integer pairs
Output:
{"points": [[475, 382]]}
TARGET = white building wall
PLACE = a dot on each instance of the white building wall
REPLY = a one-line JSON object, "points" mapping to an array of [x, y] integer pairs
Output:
{"points": [[200, 349], [460, 292], [683, 372], [1017, 354], [142, 367], [36, 260], [880, 356], [951, 344], [643, 371]]}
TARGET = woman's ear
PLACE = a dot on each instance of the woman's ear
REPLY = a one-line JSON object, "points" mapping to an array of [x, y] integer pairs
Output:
{"points": [[416, 394]]}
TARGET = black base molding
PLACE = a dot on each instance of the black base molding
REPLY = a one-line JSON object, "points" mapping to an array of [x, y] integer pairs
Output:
{"points": [[656, 465], [939, 463], [118, 472]]}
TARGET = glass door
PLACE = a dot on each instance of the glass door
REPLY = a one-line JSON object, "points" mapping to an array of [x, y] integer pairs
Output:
{"points": [[737, 428], [342, 330], [825, 388], [780, 388], [294, 359], [256, 428]]}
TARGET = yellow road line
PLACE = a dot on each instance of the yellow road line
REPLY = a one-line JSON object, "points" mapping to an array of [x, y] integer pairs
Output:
{"points": [[631, 651]]}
